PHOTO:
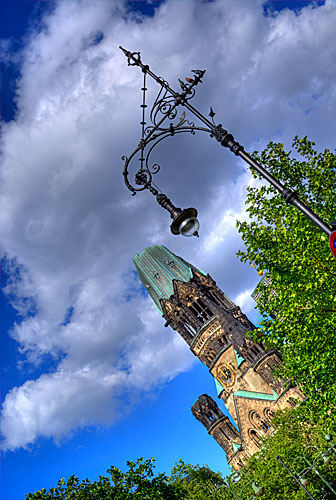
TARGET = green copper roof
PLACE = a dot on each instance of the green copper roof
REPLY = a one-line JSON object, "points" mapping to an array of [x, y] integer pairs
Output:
{"points": [[256, 395], [219, 387], [157, 267], [239, 359], [235, 446]]}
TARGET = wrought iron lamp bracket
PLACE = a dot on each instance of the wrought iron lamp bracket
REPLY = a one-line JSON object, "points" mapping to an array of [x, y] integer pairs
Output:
{"points": [[164, 108]]}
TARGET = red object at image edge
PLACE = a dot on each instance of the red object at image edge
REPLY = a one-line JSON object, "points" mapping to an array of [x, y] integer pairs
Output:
{"points": [[332, 243]]}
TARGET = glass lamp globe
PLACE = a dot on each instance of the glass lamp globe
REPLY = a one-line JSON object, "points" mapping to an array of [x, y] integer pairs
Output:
{"points": [[189, 227], [258, 490], [185, 222]]}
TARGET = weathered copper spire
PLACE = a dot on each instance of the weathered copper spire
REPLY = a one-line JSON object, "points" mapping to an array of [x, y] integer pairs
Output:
{"points": [[157, 267]]}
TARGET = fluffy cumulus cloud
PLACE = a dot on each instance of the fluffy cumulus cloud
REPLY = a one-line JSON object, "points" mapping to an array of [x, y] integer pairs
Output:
{"points": [[69, 228]]}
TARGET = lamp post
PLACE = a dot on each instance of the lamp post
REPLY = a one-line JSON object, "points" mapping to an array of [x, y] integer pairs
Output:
{"points": [[301, 476], [257, 489], [165, 109]]}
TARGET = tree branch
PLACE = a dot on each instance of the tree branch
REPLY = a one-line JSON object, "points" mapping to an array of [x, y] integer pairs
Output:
{"points": [[323, 268]]}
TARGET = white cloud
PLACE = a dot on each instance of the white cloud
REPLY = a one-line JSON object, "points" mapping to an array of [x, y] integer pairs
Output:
{"points": [[69, 224], [55, 404], [246, 303]]}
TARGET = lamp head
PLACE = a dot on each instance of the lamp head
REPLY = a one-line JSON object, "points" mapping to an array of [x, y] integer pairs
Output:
{"points": [[258, 490], [185, 223]]}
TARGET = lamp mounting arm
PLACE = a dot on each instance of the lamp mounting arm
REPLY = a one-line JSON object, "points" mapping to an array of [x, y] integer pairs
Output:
{"points": [[166, 104]]}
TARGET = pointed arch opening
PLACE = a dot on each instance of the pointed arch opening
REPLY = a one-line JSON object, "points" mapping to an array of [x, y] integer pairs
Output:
{"points": [[254, 437], [268, 415], [200, 310], [258, 422]]}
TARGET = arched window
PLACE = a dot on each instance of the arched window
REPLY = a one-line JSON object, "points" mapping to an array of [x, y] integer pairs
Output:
{"points": [[185, 332], [223, 340], [254, 436], [247, 355], [204, 307], [210, 416], [196, 314], [258, 422], [224, 434], [190, 317], [268, 414], [197, 307], [200, 310], [189, 328]]}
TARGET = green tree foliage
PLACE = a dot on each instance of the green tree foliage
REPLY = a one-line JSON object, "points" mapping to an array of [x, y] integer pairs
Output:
{"points": [[283, 243], [198, 483], [298, 433], [186, 482], [138, 483]]}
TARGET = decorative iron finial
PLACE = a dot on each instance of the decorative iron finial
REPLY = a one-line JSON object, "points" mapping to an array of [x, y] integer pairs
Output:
{"points": [[132, 56]]}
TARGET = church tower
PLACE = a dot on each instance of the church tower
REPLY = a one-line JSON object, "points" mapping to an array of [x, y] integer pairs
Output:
{"points": [[215, 330]]}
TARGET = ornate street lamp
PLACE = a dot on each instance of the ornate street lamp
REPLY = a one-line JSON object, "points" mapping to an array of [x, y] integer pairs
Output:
{"points": [[300, 477], [165, 109]]}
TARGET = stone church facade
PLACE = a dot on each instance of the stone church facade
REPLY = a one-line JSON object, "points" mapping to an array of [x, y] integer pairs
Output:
{"points": [[215, 330]]}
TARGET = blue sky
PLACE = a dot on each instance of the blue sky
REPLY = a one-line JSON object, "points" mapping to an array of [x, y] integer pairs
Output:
{"points": [[108, 383]]}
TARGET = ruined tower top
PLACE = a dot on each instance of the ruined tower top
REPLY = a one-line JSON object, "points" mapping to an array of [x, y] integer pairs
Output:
{"points": [[206, 411]]}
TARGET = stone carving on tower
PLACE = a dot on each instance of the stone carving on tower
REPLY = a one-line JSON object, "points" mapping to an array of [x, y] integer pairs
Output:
{"points": [[215, 330]]}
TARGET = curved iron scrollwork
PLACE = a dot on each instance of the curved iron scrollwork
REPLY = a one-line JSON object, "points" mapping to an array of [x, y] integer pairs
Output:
{"points": [[148, 169], [163, 109], [163, 105]]}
